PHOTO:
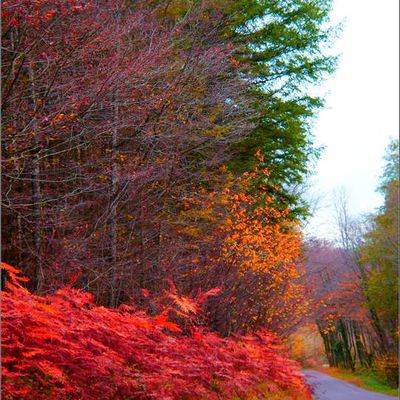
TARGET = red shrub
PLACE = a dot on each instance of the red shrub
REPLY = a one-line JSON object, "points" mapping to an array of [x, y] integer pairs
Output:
{"points": [[64, 347]]}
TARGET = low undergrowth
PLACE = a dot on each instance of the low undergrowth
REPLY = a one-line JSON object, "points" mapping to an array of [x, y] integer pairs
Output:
{"points": [[63, 346], [365, 379]]}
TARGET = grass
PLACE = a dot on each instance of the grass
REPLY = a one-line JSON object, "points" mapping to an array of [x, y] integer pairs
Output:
{"points": [[365, 380]]}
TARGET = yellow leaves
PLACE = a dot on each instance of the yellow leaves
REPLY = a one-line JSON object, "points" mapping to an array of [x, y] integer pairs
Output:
{"points": [[176, 8], [200, 91], [59, 118], [191, 231], [217, 131], [223, 169], [214, 114], [186, 305]]}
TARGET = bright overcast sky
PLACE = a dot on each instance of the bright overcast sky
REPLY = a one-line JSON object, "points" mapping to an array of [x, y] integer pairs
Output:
{"points": [[362, 110]]}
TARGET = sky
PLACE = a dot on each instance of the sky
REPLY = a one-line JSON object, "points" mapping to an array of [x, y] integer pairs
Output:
{"points": [[361, 112]]}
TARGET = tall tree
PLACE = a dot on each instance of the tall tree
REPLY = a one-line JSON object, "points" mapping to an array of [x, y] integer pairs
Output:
{"points": [[281, 44]]}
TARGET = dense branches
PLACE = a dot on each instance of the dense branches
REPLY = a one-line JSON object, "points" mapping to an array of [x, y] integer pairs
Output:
{"points": [[150, 145], [105, 131], [112, 124], [151, 151]]}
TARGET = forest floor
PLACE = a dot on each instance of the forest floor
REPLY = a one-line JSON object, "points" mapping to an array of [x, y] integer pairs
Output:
{"points": [[334, 384]]}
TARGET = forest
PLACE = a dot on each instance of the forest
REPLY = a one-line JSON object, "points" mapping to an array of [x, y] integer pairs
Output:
{"points": [[154, 159]]}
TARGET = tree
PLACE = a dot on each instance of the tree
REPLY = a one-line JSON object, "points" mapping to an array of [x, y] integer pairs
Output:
{"points": [[237, 240], [150, 153], [380, 255], [111, 146], [356, 304], [281, 45], [338, 307], [392, 168], [380, 252]]}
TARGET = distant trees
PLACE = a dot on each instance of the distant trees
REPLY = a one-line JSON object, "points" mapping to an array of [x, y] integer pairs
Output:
{"points": [[380, 255], [357, 307], [338, 306]]}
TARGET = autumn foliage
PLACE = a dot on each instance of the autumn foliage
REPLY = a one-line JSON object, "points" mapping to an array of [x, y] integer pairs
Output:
{"points": [[69, 348], [253, 254], [150, 150]]}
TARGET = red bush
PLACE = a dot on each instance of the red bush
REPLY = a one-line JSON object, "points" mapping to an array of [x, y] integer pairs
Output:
{"points": [[64, 347]]}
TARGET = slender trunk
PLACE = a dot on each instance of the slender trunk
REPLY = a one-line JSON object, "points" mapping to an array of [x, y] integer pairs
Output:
{"points": [[114, 188], [36, 195], [113, 210]]}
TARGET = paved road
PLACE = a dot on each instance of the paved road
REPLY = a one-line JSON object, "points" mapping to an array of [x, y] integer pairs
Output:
{"points": [[328, 388]]}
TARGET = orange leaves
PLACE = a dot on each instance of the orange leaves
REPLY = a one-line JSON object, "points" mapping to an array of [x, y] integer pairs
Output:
{"points": [[259, 156], [49, 15], [162, 320], [11, 270], [234, 62], [14, 276], [185, 305], [255, 243]]}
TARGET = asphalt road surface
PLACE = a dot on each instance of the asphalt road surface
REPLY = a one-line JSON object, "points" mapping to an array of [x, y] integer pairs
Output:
{"points": [[328, 388]]}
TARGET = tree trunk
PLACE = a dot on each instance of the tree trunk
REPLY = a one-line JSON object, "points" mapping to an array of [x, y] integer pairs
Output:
{"points": [[113, 209], [36, 194]]}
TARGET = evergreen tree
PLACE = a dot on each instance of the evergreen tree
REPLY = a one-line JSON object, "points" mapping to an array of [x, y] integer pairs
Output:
{"points": [[281, 46]]}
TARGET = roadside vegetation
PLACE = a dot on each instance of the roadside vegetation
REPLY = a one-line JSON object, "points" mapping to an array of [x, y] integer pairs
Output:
{"points": [[364, 379]]}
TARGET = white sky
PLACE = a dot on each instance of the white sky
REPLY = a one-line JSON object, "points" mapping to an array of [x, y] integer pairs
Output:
{"points": [[362, 110]]}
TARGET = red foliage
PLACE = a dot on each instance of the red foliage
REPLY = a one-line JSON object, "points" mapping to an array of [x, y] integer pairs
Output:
{"points": [[62, 346]]}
